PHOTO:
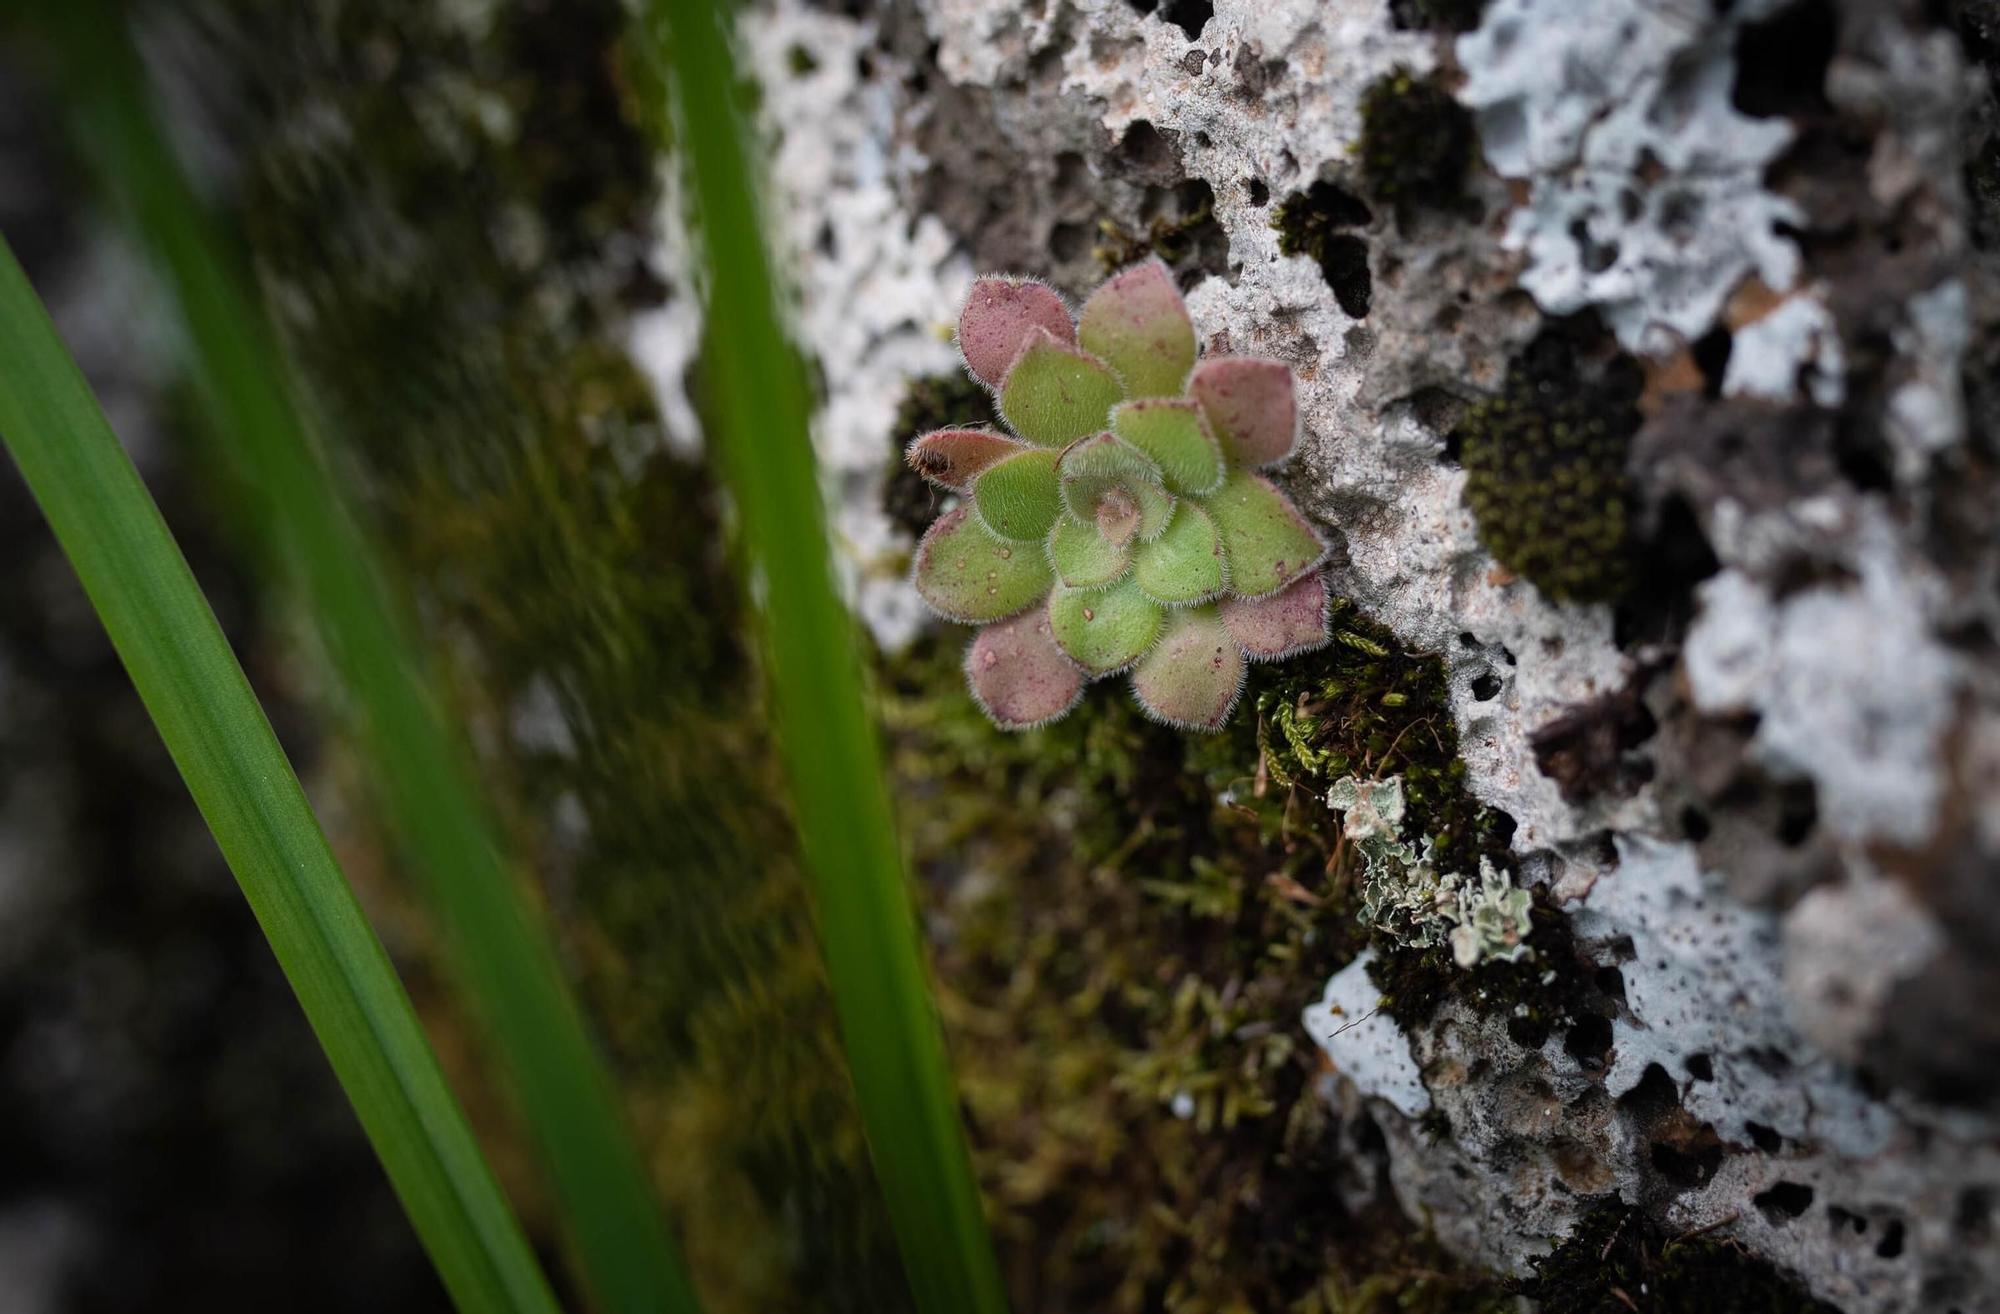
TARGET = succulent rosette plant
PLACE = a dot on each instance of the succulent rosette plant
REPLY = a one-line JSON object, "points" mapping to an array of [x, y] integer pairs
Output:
{"points": [[1122, 524]]}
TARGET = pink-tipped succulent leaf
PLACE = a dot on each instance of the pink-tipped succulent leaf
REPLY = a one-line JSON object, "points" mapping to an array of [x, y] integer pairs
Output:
{"points": [[1103, 630], [967, 573], [1268, 543], [1114, 485], [1250, 406], [1185, 564], [1000, 315], [1121, 525], [1173, 433], [1019, 498], [1193, 675], [1019, 675], [1137, 324], [1054, 394], [1281, 624], [1083, 557], [953, 458]]}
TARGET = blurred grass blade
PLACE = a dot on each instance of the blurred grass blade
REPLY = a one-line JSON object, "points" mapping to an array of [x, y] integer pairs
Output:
{"points": [[218, 736], [873, 954], [612, 1218]]}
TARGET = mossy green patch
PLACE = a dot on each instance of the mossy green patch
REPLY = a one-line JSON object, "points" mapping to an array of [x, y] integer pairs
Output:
{"points": [[1416, 142], [1615, 1262], [454, 263], [1367, 706], [1318, 222], [1545, 468], [1128, 922], [1185, 234]]}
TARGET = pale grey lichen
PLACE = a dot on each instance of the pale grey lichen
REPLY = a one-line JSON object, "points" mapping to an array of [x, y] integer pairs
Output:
{"points": [[1850, 687], [1795, 349], [1363, 1043], [1404, 897], [1646, 184], [1373, 810], [1822, 637], [1492, 919]]}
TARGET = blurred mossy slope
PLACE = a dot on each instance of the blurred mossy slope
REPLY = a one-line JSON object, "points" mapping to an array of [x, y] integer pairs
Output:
{"points": [[450, 211], [450, 215], [1127, 923], [451, 224]]}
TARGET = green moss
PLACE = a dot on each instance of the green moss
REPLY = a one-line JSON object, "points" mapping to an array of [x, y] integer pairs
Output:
{"points": [[1189, 238], [1315, 223], [933, 401], [1416, 142], [1128, 922], [1367, 706], [469, 375], [1547, 992], [1615, 1262], [1545, 470]]}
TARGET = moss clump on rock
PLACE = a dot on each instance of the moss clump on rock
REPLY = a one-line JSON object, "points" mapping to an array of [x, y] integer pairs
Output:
{"points": [[1127, 924], [1367, 706], [1185, 234], [1616, 1261], [1416, 142], [1545, 467], [1551, 990], [1316, 223]]}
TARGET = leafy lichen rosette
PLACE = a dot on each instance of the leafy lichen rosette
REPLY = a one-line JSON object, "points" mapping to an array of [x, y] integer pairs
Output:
{"points": [[1123, 524]]}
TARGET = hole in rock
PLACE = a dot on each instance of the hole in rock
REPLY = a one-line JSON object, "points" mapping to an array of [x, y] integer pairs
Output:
{"points": [[1783, 1202], [1781, 62]]}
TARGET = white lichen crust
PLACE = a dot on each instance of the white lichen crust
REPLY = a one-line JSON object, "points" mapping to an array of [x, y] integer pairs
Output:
{"points": [[1805, 417]]}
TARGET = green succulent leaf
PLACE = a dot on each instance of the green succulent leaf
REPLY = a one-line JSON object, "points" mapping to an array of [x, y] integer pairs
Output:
{"points": [[1054, 394], [1113, 484], [968, 573], [1020, 498], [1137, 324], [1173, 433], [1250, 406], [1281, 624], [953, 458], [1018, 674], [1084, 558], [1000, 316], [1185, 564], [1269, 544], [1104, 630], [1192, 677]]}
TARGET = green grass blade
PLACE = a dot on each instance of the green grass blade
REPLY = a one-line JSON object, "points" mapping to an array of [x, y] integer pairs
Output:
{"points": [[198, 697], [873, 954], [611, 1216]]}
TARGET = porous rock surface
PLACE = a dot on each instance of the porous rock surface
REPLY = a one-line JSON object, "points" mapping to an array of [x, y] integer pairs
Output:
{"points": [[1784, 874]]}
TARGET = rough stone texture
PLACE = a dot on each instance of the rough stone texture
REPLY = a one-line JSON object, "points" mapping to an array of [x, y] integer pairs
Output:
{"points": [[1793, 913]]}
